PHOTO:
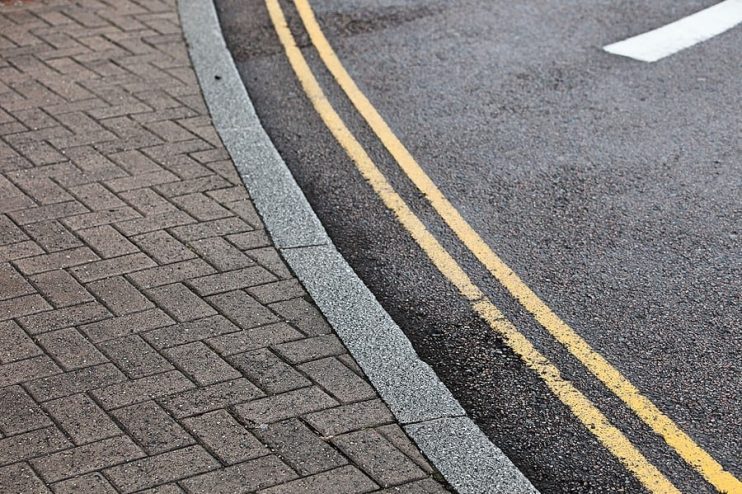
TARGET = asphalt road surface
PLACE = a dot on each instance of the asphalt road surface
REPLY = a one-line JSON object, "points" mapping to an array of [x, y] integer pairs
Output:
{"points": [[611, 186]]}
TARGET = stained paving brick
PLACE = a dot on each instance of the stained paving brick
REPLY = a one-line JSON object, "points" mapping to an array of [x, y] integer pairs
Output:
{"points": [[151, 337]]}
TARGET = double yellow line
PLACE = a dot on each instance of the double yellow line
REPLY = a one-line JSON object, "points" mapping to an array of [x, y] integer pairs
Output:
{"points": [[612, 438]]}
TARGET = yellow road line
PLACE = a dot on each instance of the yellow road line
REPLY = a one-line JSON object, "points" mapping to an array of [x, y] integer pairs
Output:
{"points": [[612, 438], [611, 377]]}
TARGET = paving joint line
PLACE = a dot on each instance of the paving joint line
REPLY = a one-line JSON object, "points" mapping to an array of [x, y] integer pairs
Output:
{"points": [[422, 404]]}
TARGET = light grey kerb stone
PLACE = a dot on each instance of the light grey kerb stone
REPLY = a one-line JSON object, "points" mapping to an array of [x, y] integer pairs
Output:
{"points": [[467, 459], [408, 385]]}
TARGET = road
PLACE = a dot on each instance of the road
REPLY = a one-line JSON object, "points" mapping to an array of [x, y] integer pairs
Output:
{"points": [[610, 186]]}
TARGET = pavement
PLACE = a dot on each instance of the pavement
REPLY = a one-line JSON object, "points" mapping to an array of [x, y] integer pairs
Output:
{"points": [[152, 339]]}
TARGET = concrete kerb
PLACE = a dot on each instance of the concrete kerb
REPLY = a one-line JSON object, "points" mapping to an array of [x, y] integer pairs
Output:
{"points": [[419, 400]]}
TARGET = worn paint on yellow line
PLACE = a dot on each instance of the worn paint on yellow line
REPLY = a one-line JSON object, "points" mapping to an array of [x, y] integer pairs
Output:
{"points": [[612, 438], [611, 377]]}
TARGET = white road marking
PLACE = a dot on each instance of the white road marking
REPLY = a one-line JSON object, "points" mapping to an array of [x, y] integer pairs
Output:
{"points": [[666, 40]]}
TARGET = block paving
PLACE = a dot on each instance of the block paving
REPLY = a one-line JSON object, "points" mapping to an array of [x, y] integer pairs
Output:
{"points": [[151, 337]]}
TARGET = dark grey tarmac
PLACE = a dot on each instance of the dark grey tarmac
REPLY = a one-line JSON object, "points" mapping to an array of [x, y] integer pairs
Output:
{"points": [[611, 186]]}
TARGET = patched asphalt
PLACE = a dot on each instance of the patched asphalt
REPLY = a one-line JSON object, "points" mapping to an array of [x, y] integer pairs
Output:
{"points": [[611, 186]]}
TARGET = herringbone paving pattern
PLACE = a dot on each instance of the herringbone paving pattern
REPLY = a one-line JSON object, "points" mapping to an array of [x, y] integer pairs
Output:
{"points": [[151, 337]]}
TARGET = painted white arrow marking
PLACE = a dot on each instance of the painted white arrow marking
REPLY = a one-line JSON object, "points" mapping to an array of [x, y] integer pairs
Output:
{"points": [[666, 40]]}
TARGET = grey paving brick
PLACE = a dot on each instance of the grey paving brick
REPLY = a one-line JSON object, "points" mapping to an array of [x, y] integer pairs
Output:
{"points": [[60, 288], [225, 437], [245, 210], [97, 218], [124, 325], [57, 260], [378, 458], [154, 222], [49, 212], [129, 392], [77, 381], [20, 250], [302, 315], [184, 187], [163, 247], [134, 162], [141, 180], [92, 483], [148, 202], [231, 280], [61, 318], [15, 344], [164, 489], [268, 372], [172, 273], [201, 363], [214, 228], [183, 333], [31, 444], [252, 339], [20, 306], [151, 427], [338, 380], [241, 478], [284, 405], [70, 349], [19, 478], [311, 348], [180, 302], [395, 435], [221, 254], [230, 194], [165, 467], [96, 197], [348, 480], [209, 398], [120, 296], [268, 258], [424, 486], [19, 412], [26, 370], [111, 267], [134, 356], [250, 240], [201, 207], [277, 291], [9, 232], [300, 447], [244, 310], [12, 284], [351, 417], [106, 241], [86, 458], [82, 419]]}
